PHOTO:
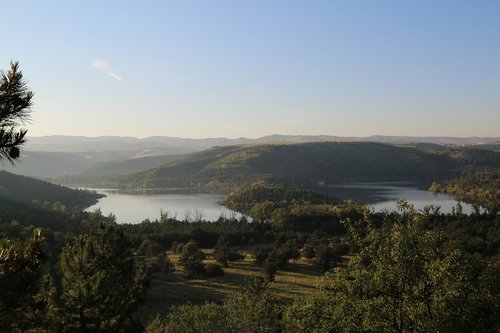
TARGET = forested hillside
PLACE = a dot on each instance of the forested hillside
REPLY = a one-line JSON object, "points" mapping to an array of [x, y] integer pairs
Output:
{"points": [[482, 187], [26, 189], [221, 169]]}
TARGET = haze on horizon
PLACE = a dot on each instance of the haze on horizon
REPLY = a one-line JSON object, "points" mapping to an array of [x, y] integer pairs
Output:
{"points": [[248, 69]]}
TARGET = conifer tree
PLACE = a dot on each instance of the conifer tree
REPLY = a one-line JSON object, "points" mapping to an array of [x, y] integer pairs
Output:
{"points": [[101, 282], [20, 264], [15, 109]]}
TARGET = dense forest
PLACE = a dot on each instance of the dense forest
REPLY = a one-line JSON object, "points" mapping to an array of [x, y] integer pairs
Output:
{"points": [[482, 187], [31, 190]]}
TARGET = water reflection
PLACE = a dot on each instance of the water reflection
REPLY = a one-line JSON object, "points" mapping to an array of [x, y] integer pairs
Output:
{"points": [[384, 195], [133, 208]]}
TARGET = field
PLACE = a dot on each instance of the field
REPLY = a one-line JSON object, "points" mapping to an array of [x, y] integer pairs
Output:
{"points": [[297, 279]]}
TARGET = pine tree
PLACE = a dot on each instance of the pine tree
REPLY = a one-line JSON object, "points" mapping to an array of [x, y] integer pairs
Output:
{"points": [[192, 259], [101, 282], [20, 264], [15, 108]]}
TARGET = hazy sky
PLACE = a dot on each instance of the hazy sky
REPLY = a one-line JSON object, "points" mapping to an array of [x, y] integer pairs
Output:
{"points": [[251, 68]]}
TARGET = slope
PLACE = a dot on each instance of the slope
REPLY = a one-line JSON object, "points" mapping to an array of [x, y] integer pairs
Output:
{"points": [[221, 169], [26, 190]]}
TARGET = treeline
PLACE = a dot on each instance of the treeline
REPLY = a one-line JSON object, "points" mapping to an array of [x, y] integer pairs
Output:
{"points": [[27, 189], [292, 209], [482, 187], [223, 169], [475, 234], [245, 198]]}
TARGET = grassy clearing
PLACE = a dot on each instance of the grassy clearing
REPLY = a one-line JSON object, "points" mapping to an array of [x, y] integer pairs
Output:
{"points": [[296, 280]]}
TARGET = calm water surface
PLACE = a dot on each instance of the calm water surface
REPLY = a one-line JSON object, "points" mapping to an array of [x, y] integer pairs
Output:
{"points": [[134, 208], [384, 195]]}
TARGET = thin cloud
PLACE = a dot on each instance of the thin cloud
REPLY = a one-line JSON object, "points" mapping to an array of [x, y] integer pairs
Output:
{"points": [[105, 67]]}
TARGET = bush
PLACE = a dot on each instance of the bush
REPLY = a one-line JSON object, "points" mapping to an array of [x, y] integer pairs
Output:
{"points": [[149, 248], [192, 259], [213, 270], [270, 268], [260, 254], [162, 264], [189, 318]]}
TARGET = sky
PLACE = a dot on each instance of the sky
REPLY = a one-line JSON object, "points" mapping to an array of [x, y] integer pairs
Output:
{"points": [[252, 68]]}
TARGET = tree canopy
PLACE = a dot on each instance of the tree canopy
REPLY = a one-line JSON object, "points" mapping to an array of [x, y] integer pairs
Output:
{"points": [[15, 108]]}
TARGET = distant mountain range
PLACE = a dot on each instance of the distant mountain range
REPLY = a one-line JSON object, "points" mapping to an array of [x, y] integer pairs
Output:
{"points": [[52, 157], [173, 145], [223, 168]]}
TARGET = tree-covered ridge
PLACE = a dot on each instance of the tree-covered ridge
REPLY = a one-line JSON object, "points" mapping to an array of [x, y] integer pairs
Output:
{"points": [[482, 187], [246, 197], [292, 209], [27, 189], [213, 170], [222, 169]]}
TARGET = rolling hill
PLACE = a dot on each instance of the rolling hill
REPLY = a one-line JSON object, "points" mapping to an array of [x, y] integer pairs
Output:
{"points": [[161, 145], [221, 169], [99, 172], [91, 159], [26, 190]]}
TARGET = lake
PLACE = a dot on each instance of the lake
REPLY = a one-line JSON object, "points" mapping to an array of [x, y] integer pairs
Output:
{"points": [[384, 195], [134, 208]]}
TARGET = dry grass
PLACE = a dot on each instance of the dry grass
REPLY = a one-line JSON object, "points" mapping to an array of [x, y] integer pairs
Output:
{"points": [[296, 280]]}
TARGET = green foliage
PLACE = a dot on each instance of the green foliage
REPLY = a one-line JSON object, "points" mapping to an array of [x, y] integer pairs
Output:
{"points": [[192, 259], [310, 315], [270, 268], [288, 208], [161, 264], [224, 253], [482, 187], [261, 253], [101, 282], [150, 248], [260, 199], [324, 256], [308, 252], [205, 233], [20, 271], [252, 310], [15, 104], [31, 190], [223, 169], [404, 279], [189, 318], [213, 270]]}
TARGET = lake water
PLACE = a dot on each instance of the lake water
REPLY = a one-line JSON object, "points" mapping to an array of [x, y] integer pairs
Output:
{"points": [[134, 208], [384, 195]]}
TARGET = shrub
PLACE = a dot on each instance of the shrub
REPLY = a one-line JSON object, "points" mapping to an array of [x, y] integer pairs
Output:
{"points": [[213, 270]]}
